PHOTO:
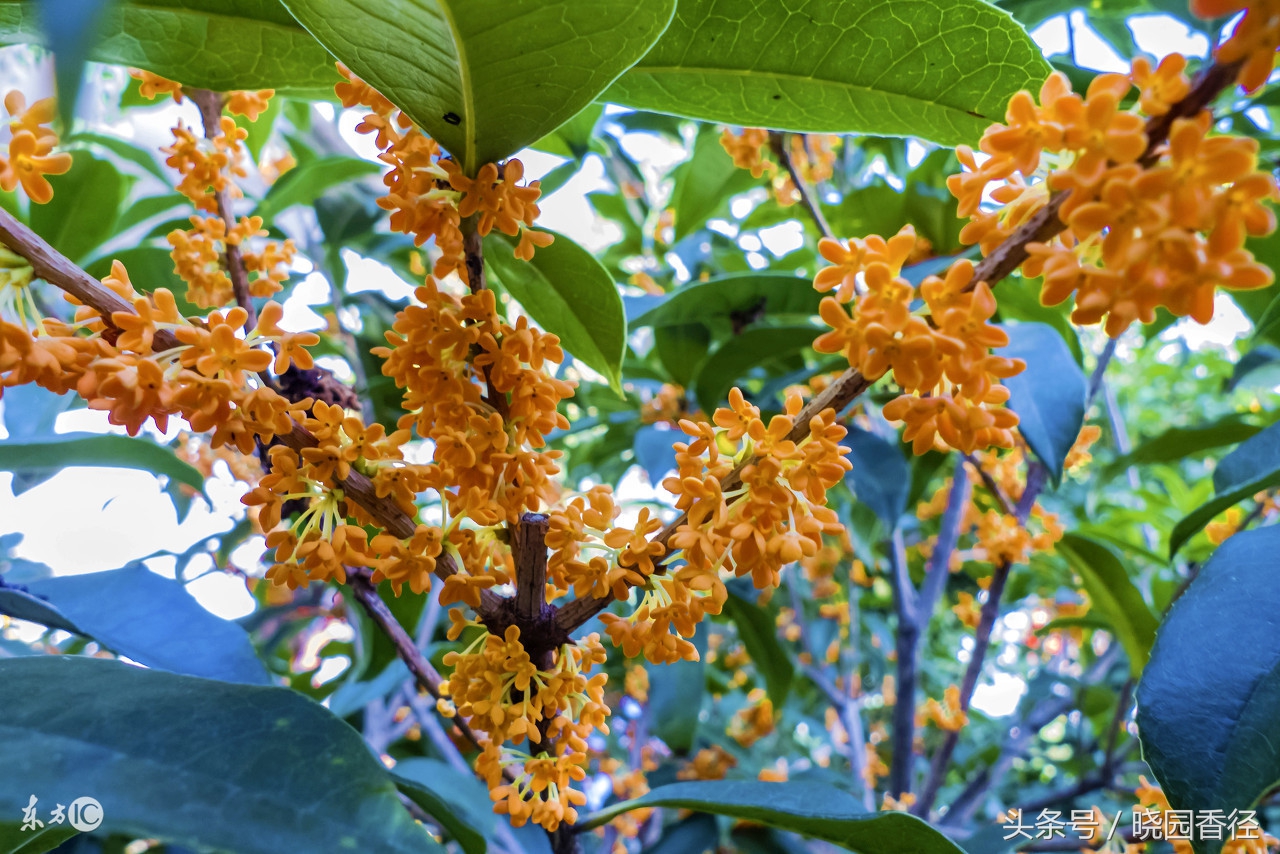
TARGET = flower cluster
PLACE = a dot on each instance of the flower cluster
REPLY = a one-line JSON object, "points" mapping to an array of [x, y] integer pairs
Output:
{"points": [[429, 195], [198, 255], [947, 715], [31, 156], [208, 166], [553, 703], [949, 376], [1144, 228], [753, 721], [1253, 41], [478, 388]]}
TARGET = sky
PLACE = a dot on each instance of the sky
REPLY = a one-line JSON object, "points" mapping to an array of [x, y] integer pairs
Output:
{"points": [[93, 519]]}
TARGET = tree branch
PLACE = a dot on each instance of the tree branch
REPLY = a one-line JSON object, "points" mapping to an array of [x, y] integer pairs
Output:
{"points": [[778, 145], [210, 104]]}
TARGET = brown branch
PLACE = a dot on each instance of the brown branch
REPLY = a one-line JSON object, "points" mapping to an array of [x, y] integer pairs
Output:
{"points": [[529, 551], [59, 271], [210, 104], [778, 145]]}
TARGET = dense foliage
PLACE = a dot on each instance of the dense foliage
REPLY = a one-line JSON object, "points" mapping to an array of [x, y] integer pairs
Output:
{"points": [[862, 487]]}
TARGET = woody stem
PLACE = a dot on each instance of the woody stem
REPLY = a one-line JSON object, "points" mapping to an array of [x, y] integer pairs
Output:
{"points": [[210, 104]]}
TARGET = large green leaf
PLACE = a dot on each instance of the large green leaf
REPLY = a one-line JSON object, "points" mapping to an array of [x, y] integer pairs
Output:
{"points": [[705, 182], [1049, 395], [1208, 698], [44, 453], [737, 295], [458, 801], [736, 357], [82, 213], [937, 69], [675, 697], [811, 809], [193, 762], [759, 635], [880, 474], [681, 348], [1177, 443], [213, 44], [151, 619], [487, 77], [566, 290], [1253, 466], [304, 184], [1113, 595]]}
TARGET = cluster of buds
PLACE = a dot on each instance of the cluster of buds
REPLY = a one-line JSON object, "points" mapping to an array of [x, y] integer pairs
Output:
{"points": [[429, 195], [950, 379]]}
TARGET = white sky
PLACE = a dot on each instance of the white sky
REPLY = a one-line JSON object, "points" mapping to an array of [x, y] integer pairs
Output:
{"points": [[91, 519]]}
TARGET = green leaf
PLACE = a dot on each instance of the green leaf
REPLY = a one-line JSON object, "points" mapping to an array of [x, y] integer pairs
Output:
{"points": [[738, 295], [1253, 466], [94, 449], [811, 809], [458, 801], [675, 697], [1264, 356], [303, 184], [1048, 396], [82, 213], [880, 474], [1113, 595], [941, 70], [682, 348], [759, 635], [486, 78], [1208, 698], [193, 762], [147, 208], [213, 44], [568, 293], [705, 182], [151, 619], [123, 150], [1177, 443], [1019, 300], [737, 356]]}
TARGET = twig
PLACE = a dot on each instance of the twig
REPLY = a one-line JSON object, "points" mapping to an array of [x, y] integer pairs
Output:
{"points": [[61, 272], [906, 637], [990, 483], [210, 105], [778, 144]]}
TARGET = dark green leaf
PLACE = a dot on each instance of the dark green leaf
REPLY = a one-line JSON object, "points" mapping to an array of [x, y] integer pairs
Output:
{"points": [[881, 476], [194, 762], [303, 184], [1177, 443], [1049, 395], [741, 295], [1113, 595], [1260, 357], [705, 182], [70, 29], [759, 634], [811, 809], [1207, 700], [682, 348], [82, 213], [1020, 300], [1253, 466], [152, 620], [94, 449], [675, 697], [458, 801], [655, 452], [485, 78], [941, 70], [213, 44], [737, 356], [568, 293]]}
